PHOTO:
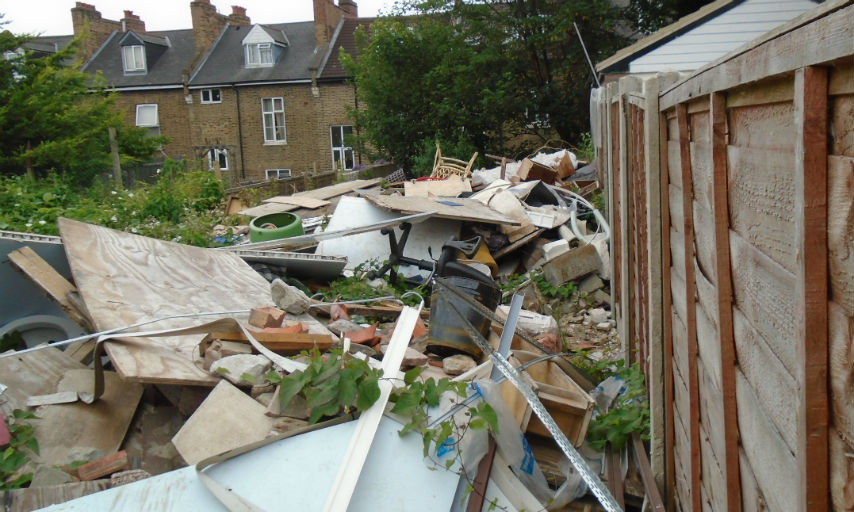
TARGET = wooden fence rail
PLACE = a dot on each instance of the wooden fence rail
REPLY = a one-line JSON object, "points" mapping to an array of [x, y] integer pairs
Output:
{"points": [[731, 196]]}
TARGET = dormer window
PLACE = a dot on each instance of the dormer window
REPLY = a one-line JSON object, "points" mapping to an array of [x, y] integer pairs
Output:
{"points": [[263, 46], [259, 55], [133, 58]]}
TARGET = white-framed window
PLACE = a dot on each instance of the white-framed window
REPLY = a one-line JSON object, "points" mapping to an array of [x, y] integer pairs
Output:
{"points": [[146, 116], [273, 113], [211, 95], [259, 54], [275, 174], [342, 153], [133, 58], [218, 156]]}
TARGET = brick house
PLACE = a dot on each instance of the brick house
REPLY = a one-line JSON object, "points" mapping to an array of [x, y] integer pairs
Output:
{"points": [[259, 101]]}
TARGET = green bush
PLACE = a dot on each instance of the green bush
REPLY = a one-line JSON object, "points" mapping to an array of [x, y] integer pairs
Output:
{"points": [[182, 205]]}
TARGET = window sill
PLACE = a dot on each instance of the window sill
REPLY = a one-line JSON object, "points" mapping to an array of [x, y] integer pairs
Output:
{"points": [[275, 143]]}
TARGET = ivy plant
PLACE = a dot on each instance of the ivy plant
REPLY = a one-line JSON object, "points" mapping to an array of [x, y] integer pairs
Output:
{"points": [[16, 453], [330, 384], [630, 413]]}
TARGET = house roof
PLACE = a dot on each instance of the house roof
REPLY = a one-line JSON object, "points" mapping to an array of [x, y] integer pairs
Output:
{"points": [[703, 35], [48, 44], [167, 70], [345, 38], [225, 62]]}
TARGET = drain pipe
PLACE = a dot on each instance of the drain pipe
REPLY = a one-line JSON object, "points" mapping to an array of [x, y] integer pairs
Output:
{"points": [[239, 131]]}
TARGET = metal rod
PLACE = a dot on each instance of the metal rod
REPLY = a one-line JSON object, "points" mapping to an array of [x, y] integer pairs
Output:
{"points": [[592, 68]]}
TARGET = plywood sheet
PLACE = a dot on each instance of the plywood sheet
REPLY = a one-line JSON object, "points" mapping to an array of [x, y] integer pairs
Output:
{"points": [[463, 209], [774, 465], [763, 291], [452, 186], [125, 279], [762, 201], [227, 419], [840, 230], [322, 193], [67, 431]]}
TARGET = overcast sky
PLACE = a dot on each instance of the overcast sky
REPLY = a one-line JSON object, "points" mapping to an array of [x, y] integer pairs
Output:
{"points": [[53, 17]]}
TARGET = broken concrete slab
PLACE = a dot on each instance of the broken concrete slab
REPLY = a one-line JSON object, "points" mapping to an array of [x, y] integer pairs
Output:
{"points": [[49, 475], [458, 364], [289, 298], [571, 265], [590, 284], [242, 369]]}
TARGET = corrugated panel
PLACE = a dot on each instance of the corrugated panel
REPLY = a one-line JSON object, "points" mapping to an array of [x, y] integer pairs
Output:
{"points": [[720, 35]]}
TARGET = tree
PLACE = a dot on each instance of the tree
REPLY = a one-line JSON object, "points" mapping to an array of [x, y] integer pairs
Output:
{"points": [[55, 117], [478, 73]]}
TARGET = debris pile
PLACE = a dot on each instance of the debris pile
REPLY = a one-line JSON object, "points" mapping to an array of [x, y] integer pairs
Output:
{"points": [[229, 371]]}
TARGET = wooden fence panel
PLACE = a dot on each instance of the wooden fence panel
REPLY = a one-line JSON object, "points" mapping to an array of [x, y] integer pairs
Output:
{"points": [[756, 267]]}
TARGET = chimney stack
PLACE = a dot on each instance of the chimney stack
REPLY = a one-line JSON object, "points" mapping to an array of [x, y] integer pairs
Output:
{"points": [[207, 25], [87, 20], [132, 22], [351, 10], [238, 17], [326, 18]]}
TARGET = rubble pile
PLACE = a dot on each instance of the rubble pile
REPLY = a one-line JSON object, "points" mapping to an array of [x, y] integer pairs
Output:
{"points": [[197, 361]]}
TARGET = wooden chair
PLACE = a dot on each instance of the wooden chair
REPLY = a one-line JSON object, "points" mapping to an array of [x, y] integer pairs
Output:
{"points": [[444, 166]]}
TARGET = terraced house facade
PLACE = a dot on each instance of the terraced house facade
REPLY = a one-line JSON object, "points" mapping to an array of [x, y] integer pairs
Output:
{"points": [[258, 101]]}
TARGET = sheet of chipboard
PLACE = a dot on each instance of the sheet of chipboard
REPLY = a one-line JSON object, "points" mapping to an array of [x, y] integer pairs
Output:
{"points": [[322, 193], [70, 432], [125, 279]]}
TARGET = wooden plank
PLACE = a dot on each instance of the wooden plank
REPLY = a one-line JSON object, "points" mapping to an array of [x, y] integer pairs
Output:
{"points": [[773, 385], [774, 466], [49, 281], [713, 487], [227, 419], [842, 134], [811, 293], [762, 291], [841, 472], [66, 432], [773, 90], [34, 498], [704, 241], [822, 35], [769, 127], [126, 279], [457, 208], [677, 212], [841, 79], [669, 483], [840, 231], [761, 198], [708, 346], [841, 346], [722, 312], [649, 485], [711, 419], [752, 499], [701, 172], [300, 201], [277, 341], [691, 310]]}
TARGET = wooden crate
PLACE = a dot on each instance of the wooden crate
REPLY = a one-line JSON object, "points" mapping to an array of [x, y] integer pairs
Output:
{"points": [[569, 405]]}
